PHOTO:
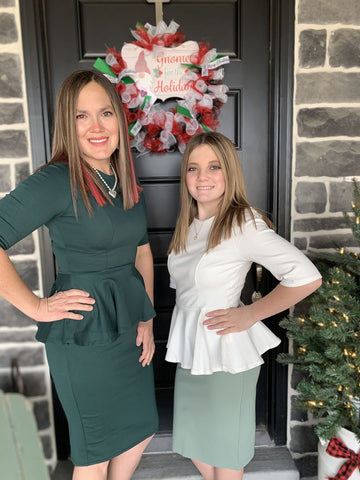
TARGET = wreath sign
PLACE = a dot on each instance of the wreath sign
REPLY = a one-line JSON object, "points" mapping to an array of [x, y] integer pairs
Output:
{"points": [[158, 66]]}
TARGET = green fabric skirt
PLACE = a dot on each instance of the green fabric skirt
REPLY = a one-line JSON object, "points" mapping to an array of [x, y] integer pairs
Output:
{"points": [[214, 417], [107, 396]]}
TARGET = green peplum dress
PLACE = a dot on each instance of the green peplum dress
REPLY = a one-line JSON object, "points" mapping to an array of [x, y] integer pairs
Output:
{"points": [[107, 396]]}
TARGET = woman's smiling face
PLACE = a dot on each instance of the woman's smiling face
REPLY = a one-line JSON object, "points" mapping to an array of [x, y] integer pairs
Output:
{"points": [[96, 126]]}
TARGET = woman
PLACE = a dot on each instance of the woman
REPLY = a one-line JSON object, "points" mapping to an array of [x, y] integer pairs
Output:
{"points": [[97, 322], [216, 341]]}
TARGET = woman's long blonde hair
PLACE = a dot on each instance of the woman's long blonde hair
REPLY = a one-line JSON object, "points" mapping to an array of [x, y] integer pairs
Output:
{"points": [[65, 145], [232, 206]]}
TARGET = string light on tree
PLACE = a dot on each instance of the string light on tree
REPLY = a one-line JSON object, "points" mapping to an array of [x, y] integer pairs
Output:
{"points": [[326, 347]]}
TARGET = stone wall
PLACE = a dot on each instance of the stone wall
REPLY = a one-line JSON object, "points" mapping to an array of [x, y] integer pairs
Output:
{"points": [[17, 331], [326, 150]]}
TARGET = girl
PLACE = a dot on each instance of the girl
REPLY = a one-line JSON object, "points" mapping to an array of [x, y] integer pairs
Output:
{"points": [[216, 341]]}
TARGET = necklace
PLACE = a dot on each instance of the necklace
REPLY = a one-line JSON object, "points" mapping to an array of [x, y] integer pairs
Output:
{"points": [[197, 232], [111, 191]]}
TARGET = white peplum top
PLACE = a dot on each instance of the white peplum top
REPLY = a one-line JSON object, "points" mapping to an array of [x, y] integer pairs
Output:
{"points": [[214, 280]]}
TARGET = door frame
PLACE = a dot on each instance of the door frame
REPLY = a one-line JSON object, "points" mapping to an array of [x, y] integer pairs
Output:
{"points": [[282, 21]]}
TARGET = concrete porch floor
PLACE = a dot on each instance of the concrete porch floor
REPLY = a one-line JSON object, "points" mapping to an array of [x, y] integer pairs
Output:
{"points": [[158, 462]]}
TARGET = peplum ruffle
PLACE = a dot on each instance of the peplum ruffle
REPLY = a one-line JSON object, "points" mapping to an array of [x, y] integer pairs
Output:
{"points": [[121, 302], [204, 352]]}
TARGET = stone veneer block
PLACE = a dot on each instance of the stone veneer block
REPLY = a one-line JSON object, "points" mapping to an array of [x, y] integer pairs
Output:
{"points": [[296, 377], [296, 414], [328, 11], [307, 466], [300, 243], [329, 158], [35, 383], [7, 3], [47, 445], [11, 113], [8, 30], [340, 197], [332, 241], [22, 171], [312, 51], [11, 316], [25, 246], [336, 87], [13, 144], [6, 382], [27, 269], [10, 76], [5, 184], [328, 122], [310, 197], [26, 356], [303, 439], [14, 335], [344, 48], [314, 224], [41, 411]]}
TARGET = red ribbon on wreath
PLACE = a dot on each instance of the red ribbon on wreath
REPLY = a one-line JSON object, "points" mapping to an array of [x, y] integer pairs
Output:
{"points": [[150, 127], [144, 40], [338, 449]]}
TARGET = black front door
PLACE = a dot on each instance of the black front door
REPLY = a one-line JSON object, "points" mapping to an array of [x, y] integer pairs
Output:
{"points": [[76, 32]]}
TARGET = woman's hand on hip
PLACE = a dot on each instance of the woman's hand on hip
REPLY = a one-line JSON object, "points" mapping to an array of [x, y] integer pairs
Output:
{"points": [[145, 337], [229, 320], [63, 305]]}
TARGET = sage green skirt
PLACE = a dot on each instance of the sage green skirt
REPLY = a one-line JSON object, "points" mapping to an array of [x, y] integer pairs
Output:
{"points": [[214, 417], [107, 396]]}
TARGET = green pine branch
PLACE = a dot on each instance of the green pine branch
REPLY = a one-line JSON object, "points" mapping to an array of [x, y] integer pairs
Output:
{"points": [[326, 340]]}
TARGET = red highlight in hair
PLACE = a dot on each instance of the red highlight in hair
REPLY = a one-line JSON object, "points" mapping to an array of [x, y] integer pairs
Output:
{"points": [[95, 192]]}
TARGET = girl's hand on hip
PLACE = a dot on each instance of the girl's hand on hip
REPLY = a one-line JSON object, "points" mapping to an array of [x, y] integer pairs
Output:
{"points": [[145, 337], [229, 320], [62, 305]]}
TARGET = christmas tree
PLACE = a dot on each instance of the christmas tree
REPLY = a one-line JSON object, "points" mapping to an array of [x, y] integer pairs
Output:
{"points": [[326, 340]]}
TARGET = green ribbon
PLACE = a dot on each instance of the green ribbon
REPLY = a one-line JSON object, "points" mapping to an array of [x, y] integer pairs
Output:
{"points": [[127, 80], [130, 128], [103, 67], [146, 99], [190, 65], [184, 111]]}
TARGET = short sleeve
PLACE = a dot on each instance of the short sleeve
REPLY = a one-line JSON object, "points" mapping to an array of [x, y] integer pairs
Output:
{"points": [[33, 203], [172, 282], [262, 245]]}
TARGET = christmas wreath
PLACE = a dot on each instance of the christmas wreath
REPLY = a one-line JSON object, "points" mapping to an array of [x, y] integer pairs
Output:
{"points": [[158, 65]]}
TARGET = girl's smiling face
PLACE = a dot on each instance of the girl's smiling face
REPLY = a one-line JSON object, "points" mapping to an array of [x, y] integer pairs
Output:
{"points": [[205, 180], [97, 126]]}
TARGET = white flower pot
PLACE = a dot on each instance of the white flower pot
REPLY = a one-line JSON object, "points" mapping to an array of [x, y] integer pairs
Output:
{"points": [[329, 466]]}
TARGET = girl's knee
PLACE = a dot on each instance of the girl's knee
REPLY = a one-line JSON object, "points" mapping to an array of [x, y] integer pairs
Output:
{"points": [[98, 471]]}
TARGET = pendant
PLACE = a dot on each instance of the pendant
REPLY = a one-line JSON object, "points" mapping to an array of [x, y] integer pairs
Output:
{"points": [[196, 237], [256, 296], [112, 193]]}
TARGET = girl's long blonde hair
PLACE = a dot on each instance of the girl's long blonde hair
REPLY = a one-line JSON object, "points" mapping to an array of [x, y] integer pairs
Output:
{"points": [[233, 204], [65, 145]]}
